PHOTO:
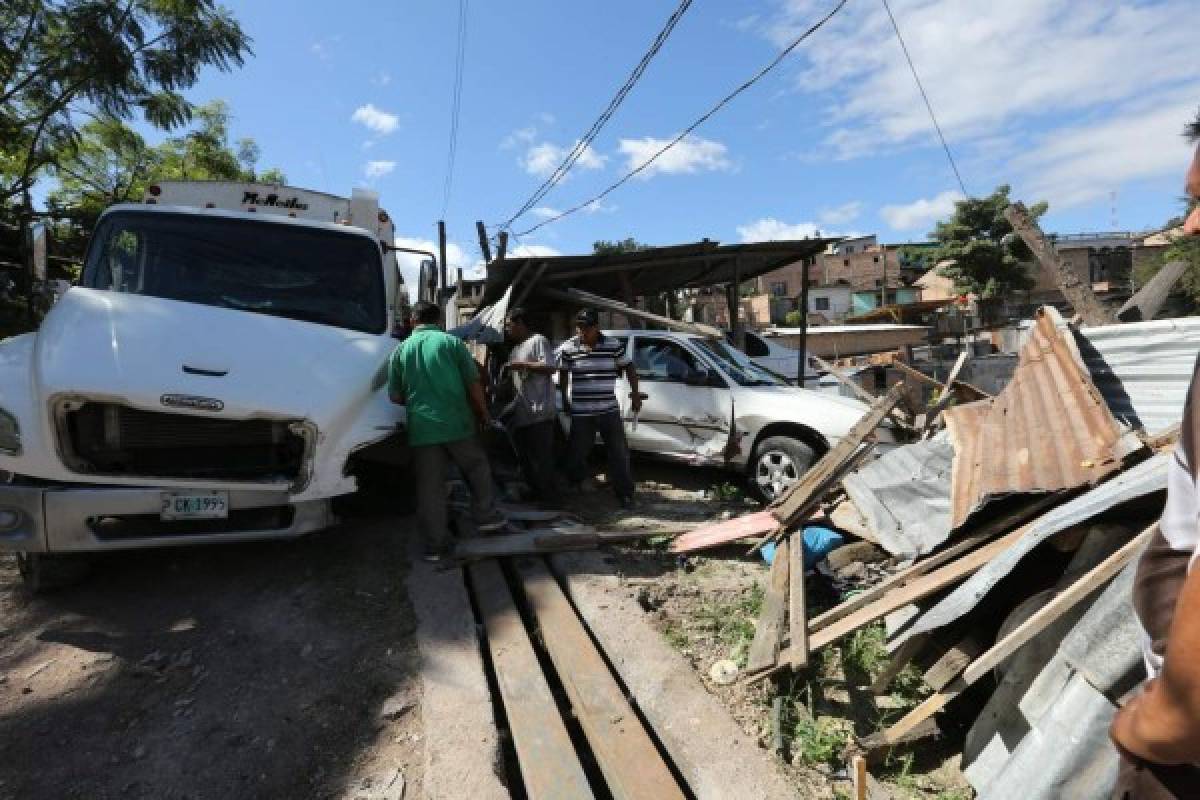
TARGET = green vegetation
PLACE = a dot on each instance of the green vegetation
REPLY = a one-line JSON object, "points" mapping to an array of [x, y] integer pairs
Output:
{"points": [[1182, 249], [731, 623], [988, 258], [725, 492], [821, 740]]}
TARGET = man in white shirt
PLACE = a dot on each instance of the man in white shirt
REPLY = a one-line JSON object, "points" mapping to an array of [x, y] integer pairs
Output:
{"points": [[533, 410], [1158, 731]]}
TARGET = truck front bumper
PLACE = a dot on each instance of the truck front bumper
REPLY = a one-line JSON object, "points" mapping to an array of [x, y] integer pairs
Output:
{"points": [[38, 519]]}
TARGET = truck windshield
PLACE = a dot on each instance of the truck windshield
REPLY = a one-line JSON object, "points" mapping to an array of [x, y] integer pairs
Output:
{"points": [[308, 274]]}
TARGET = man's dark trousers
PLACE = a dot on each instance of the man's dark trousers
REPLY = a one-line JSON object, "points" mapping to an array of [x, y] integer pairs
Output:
{"points": [[612, 432], [535, 448]]}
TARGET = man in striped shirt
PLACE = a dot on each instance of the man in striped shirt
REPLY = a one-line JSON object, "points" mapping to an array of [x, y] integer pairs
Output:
{"points": [[593, 362]]}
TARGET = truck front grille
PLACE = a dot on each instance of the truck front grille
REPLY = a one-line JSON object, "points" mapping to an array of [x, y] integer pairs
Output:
{"points": [[111, 439]]}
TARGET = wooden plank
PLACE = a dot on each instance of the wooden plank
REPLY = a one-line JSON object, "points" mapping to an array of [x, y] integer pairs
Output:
{"points": [[1062, 602], [973, 392], [768, 631], [901, 596], [1149, 299], [586, 298], [859, 391], [931, 414], [899, 660], [626, 754], [965, 544], [725, 531], [549, 765], [858, 777], [1076, 288], [846, 517], [544, 540], [952, 663], [797, 606]]}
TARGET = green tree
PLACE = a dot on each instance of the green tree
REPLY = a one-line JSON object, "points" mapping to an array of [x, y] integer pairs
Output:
{"points": [[112, 163], [64, 60], [987, 258], [630, 245]]}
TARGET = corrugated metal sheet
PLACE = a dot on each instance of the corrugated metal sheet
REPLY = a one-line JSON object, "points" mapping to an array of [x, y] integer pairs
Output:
{"points": [[1049, 430], [1145, 478], [1044, 732], [1143, 369], [905, 496]]}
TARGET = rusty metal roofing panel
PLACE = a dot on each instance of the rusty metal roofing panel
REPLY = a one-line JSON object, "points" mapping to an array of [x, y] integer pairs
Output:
{"points": [[1049, 430]]}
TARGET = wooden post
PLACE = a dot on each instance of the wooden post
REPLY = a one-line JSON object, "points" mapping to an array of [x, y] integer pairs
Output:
{"points": [[802, 357], [733, 297], [502, 245], [442, 253], [1150, 298], [1075, 288], [484, 247]]}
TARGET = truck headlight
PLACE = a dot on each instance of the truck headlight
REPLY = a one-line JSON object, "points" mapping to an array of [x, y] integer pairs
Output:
{"points": [[10, 434]]}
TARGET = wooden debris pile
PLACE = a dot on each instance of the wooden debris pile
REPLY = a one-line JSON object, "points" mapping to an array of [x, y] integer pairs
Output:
{"points": [[1031, 465]]}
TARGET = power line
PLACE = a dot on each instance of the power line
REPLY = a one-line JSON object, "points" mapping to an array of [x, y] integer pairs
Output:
{"points": [[925, 97], [582, 144], [724, 101], [455, 102]]}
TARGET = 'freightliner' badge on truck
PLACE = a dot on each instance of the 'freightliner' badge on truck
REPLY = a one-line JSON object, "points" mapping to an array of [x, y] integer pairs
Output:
{"points": [[191, 401]]}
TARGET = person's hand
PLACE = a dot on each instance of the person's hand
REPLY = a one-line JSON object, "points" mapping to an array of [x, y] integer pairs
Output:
{"points": [[636, 403]]}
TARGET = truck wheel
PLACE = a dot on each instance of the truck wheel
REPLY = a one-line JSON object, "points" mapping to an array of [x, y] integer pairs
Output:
{"points": [[44, 572], [778, 462]]}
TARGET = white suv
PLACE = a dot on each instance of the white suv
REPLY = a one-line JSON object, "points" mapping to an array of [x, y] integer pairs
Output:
{"points": [[695, 386]]}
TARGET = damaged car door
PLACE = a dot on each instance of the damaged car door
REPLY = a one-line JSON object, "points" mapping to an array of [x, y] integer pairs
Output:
{"points": [[687, 412]]}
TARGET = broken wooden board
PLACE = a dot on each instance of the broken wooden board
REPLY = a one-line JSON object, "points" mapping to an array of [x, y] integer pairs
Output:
{"points": [[965, 544], [910, 592], [799, 498], [1149, 299], [934, 410], [797, 604], [543, 540], [971, 391], [714, 534], [900, 659], [859, 392], [846, 517], [625, 752], [549, 766], [768, 631], [952, 663], [1061, 603]]}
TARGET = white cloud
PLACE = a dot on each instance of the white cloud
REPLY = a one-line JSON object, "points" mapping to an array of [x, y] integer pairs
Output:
{"points": [[1060, 68], [534, 250], [921, 213], [594, 207], [545, 212], [540, 160], [692, 154], [377, 169], [841, 215], [769, 229], [521, 136], [375, 119]]}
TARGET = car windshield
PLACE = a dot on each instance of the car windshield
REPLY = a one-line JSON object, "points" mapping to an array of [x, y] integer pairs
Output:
{"points": [[301, 273], [735, 364]]}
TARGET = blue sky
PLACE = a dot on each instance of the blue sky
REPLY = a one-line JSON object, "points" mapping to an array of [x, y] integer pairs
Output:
{"points": [[1067, 100]]}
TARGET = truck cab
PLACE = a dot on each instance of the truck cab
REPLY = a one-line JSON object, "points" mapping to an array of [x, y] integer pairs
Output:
{"points": [[212, 378]]}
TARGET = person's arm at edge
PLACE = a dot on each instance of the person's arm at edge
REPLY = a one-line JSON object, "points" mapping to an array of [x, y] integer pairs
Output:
{"points": [[635, 395], [396, 392], [478, 403], [1162, 724]]}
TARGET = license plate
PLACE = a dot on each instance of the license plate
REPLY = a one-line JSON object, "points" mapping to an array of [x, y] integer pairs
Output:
{"points": [[195, 505]]}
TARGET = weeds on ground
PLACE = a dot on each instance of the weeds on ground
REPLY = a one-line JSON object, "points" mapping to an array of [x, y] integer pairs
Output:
{"points": [[866, 652], [725, 493], [731, 624], [820, 741], [676, 636]]}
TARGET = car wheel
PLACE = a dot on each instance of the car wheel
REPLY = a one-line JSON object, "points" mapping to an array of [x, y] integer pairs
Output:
{"points": [[43, 572], [778, 462]]}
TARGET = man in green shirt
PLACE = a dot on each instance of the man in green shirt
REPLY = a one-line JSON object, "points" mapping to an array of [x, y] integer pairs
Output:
{"points": [[433, 375]]}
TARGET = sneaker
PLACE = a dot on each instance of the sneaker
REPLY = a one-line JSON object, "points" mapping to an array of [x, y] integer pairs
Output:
{"points": [[493, 523]]}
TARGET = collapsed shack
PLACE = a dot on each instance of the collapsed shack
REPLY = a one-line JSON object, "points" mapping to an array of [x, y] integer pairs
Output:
{"points": [[1016, 524]]}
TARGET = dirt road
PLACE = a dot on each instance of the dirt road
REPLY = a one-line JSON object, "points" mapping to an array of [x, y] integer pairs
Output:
{"points": [[281, 670]]}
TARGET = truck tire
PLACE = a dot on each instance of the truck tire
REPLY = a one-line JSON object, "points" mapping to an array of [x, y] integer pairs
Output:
{"points": [[45, 572], [777, 463]]}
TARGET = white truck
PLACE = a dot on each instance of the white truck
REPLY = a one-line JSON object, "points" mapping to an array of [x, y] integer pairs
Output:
{"points": [[215, 376]]}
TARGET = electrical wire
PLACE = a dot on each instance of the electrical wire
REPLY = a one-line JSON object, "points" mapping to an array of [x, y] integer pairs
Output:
{"points": [[925, 97], [455, 103], [724, 101], [582, 144]]}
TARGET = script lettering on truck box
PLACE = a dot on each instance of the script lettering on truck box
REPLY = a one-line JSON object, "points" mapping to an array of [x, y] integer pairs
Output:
{"points": [[273, 201]]}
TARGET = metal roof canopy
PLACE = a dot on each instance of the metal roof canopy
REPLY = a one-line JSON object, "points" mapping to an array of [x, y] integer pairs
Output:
{"points": [[651, 271]]}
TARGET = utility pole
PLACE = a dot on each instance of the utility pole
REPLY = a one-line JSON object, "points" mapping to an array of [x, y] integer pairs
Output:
{"points": [[484, 247], [442, 253], [501, 245], [802, 368]]}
